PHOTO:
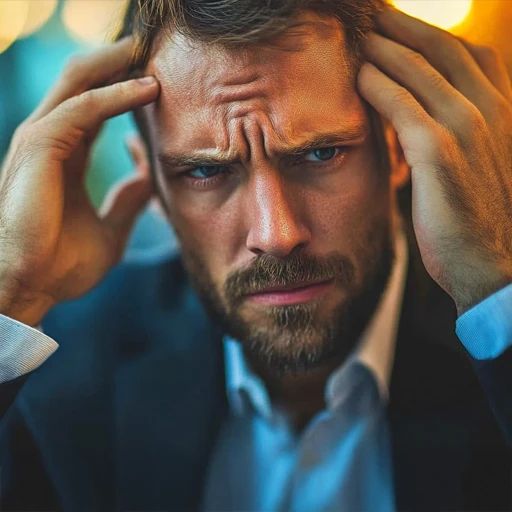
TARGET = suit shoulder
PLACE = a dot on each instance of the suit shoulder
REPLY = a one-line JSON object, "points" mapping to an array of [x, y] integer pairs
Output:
{"points": [[150, 277]]}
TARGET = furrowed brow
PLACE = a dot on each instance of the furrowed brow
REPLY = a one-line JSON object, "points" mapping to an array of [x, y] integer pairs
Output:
{"points": [[325, 140], [322, 140], [176, 160]]}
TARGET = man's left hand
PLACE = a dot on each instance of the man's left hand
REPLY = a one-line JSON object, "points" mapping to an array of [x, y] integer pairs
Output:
{"points": [[450, 103]]}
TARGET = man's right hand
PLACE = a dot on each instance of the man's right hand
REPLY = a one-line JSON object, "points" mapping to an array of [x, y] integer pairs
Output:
{"points": [[53, 245]]}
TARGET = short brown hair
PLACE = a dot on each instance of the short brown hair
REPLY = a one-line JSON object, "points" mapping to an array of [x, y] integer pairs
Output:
{"points": [[240, 22]]}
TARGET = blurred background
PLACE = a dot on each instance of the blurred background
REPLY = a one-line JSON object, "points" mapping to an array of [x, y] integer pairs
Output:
{"points": [[38, 36]]}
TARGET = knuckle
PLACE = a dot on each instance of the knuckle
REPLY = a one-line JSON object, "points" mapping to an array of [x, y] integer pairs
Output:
{"points": [[75, 72], [119, 88], [439, 38], [469, 120], [87, 100], [452, 42], [413, 58], [436, 80], [398, 97], [490, 53], [73, 65], [474, 118], [118, 92]]}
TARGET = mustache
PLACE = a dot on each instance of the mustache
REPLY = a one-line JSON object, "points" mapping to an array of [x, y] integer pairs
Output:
{"points": [[270, 271]]}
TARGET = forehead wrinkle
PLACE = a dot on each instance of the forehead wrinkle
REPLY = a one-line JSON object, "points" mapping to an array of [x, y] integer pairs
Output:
{"points": [[233, 148], [277, 136], [238, 140], [247, 133], [211, 90], [239, 90]]}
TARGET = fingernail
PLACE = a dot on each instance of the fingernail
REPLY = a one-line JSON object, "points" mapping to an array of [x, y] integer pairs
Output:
{"points": [[147, 80]]}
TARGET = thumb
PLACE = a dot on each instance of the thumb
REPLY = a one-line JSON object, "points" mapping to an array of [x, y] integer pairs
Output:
{"points": [[123, 205]]}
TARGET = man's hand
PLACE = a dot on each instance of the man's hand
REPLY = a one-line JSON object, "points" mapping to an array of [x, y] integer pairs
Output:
{"points": [[53, 244], [450, 103]]}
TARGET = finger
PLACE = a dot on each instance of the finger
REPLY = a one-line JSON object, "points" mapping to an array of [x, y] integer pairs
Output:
{"points": [[444, 51], [123, 205], [493, 65], [411, 122], [82, 73], [412, 71], [60, 132]]}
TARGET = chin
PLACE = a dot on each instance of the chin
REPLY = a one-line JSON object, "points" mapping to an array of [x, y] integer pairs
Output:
{"points": [[292, 339], [292, 351]]}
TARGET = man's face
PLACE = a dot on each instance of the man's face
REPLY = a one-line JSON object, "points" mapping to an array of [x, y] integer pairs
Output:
{"points": [[267, 164]]}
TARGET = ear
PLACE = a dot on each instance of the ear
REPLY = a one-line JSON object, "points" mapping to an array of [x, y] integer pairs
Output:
{"points": [[400, 172], [139, 154]]}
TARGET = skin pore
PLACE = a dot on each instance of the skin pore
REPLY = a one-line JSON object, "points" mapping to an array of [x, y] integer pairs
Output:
{"points": [[266, 161]]}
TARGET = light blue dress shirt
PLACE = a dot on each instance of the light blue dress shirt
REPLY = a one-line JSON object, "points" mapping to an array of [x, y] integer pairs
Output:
{"points": [[340, 462]]}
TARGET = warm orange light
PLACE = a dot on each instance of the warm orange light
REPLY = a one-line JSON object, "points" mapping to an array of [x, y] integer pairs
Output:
{"points": [[13, 15], [39, 12], [441, 13], [92, 21]]}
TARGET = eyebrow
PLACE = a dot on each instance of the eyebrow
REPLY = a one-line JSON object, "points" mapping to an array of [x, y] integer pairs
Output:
{"points": [[315, 141]]}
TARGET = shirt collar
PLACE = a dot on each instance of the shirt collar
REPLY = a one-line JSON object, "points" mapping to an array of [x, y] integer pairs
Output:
{"points": [[375, 350], [244, 388]]}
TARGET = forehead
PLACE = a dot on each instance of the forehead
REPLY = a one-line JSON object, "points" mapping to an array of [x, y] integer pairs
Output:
{"points": [[303, 82]]}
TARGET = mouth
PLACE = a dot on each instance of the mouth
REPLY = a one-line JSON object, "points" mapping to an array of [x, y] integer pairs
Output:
{"points": [[296, 293]]}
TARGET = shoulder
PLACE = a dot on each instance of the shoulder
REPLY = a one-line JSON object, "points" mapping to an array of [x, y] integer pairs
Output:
{"points": [[148, 286]]}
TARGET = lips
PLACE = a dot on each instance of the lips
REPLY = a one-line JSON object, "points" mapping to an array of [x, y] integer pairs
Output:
{"points": [[295, 293]]}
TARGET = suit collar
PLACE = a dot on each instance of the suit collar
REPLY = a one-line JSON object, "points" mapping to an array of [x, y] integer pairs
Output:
{"points": [[437, 409]]}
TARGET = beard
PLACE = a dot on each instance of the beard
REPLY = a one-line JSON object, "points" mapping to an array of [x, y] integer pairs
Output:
{"points": [[295, 339]]}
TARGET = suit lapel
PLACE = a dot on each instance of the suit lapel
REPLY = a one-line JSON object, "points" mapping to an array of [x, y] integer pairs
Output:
{"points": [[127, 409], [67, 404], [170, 401], [434, 400]]}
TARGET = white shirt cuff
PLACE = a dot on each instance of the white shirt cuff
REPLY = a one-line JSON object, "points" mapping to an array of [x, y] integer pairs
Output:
{"points": [[22, 348], [486, 329]]}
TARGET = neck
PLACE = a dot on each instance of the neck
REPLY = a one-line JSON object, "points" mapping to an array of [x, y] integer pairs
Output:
{"points": [[302, 395]]}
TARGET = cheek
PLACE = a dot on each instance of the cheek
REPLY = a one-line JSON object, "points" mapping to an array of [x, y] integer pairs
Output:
{"points": [[343, 208], [206, 231]]}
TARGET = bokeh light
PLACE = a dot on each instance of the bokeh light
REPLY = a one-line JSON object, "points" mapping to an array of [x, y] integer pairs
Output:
{"points": [[92, 21], [39, 12], [441, 13], [13, 15]]}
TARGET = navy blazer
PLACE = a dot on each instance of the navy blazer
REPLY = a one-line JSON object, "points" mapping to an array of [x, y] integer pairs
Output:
{"points": [[125, 414]]}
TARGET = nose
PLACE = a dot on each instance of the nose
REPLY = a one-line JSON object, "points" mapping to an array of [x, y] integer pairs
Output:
{"points": [[273, 215]]}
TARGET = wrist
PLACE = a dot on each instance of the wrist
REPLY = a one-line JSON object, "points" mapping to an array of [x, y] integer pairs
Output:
{"points": [[28, 309]]}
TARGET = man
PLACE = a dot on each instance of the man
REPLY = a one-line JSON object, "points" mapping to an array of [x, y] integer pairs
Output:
{"points": [[327, 375]]}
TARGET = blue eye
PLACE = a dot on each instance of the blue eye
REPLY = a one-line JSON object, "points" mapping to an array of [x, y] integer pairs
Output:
{"points": [[205, 171], [322, 154]]}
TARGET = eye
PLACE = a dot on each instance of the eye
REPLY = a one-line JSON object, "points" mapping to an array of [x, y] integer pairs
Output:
{"points": [[205, 171], [322, 154]]}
